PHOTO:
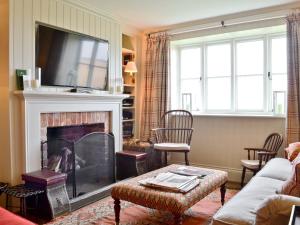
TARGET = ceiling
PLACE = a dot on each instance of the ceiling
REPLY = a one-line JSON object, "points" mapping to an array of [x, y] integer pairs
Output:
{"points": [[149, 14]]}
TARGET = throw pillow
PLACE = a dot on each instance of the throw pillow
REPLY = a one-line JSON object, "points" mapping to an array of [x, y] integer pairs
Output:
{"points": [[275, 210], [293, 150], [292, 185]]}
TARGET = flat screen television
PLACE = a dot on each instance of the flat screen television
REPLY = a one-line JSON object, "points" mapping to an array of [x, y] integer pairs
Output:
{"points": [[70, 59]]}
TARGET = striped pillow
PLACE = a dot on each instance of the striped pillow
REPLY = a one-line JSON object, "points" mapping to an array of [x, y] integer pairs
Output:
{"points": [[292, 151]]}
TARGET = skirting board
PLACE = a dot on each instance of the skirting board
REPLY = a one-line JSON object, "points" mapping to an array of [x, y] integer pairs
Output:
{"points": [[234, 174]]}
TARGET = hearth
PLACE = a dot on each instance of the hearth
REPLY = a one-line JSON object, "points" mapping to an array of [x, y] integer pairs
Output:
{"points": [[86, 154]]}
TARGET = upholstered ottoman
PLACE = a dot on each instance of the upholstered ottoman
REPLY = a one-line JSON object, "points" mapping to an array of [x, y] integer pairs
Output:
{"points": [[176, 203]]}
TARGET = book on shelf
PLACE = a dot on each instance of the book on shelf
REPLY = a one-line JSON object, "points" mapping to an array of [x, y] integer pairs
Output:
{"points": [[188, 171], [171, 182]]}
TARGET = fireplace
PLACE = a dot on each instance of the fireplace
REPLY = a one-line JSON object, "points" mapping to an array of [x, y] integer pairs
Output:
{"points": [[80, 145], [45, 108]]}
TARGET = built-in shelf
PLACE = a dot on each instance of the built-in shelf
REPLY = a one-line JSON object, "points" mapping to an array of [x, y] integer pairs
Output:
{"points": [[129, 85], [129, 120], [130, 90], [127, 51]]}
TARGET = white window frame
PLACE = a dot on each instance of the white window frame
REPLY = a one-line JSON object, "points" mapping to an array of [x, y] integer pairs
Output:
{"points": [[267, 99]]}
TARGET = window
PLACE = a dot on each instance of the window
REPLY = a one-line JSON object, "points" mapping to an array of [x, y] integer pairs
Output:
{"points": [[235, 75], [250, 75]]}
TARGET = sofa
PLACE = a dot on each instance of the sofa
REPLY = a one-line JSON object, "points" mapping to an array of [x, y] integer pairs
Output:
{"points": [[258, 202], [9, 218]]}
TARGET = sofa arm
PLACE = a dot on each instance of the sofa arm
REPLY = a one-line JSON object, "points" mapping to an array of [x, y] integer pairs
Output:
{"points": [[9, 218], [275, 210]]}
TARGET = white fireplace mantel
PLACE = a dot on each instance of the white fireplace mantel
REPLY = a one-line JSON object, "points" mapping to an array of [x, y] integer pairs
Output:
{"points": [[34, 103]]}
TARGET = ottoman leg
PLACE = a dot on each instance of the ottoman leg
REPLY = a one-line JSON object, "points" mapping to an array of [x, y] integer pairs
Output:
{"points": [[177, 219], [117, 208], [223, 191]]}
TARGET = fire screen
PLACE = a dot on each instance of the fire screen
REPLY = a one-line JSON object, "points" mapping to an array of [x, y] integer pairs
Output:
{"points": [[88, 161]]}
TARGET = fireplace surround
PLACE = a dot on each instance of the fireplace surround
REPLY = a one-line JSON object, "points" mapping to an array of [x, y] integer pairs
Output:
{"points": [[36, 102]]}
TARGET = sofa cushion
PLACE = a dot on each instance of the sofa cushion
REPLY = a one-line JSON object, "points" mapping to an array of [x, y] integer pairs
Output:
{"points": [[275, 210], [277, 168], [246, 201]]}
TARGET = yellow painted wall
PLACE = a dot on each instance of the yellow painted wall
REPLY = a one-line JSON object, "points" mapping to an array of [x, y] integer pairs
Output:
{"points": [[5, 165]]}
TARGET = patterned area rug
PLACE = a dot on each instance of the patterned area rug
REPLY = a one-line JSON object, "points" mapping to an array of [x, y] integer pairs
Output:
{"points": [[102, 213]]}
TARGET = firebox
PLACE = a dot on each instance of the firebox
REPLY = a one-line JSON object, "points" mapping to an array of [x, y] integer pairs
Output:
{"points": [[85, 153]]}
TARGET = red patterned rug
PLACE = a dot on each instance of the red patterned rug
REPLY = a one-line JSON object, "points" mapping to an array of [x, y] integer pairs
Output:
{"points": [[102, 213]]}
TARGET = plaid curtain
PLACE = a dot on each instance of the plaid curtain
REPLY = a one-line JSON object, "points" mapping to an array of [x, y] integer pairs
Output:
{"points": [[156, 83], [293, 110]]}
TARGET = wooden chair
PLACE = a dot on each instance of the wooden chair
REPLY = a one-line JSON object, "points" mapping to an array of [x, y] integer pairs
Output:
{"points": [[174, 133], [264, 154]]}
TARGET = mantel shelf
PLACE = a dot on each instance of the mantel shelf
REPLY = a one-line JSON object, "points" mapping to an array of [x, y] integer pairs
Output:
{"points": [[34, 94]]}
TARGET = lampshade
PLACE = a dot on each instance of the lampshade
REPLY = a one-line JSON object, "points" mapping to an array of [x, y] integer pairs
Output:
{"points": [[130, 67]]}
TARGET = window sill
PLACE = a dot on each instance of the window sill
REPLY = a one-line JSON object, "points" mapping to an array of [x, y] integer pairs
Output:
{"points": [[240, 115]]}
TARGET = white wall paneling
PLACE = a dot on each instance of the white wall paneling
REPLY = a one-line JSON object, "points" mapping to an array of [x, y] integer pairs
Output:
{"points": [[64, 15]]}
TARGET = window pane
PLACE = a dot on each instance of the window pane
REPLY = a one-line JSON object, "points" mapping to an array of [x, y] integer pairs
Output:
{"points": [[250, 93], [218, 60], [191, 88], [279, 82], [190, 62], [219, 93], [250, 57], [279, 58]]}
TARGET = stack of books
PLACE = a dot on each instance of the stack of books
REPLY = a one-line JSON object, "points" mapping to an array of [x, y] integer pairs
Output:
{"points": [[183, 179]]}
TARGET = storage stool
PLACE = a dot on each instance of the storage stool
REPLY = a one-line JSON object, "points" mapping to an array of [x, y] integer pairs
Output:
{"points": [[130, 163], [153, 157], [53, 184], [22, 192]]}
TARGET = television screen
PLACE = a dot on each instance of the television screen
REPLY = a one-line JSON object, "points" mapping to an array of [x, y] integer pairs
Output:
{"points": [[71, 59]]}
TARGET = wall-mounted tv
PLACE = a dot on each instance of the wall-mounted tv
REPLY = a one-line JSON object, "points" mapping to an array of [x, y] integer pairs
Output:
{"points": [[71, 59]]}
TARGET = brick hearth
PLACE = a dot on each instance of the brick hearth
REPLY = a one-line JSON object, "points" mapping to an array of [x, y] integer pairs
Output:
{"points": [[72, 118]]}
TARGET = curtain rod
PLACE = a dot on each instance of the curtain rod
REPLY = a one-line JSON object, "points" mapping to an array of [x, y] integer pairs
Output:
{"points": [[215, 25]]}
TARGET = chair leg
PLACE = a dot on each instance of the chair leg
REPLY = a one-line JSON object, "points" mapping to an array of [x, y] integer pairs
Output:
{"points": [[166, 159], [243, 177], [186, 158]]}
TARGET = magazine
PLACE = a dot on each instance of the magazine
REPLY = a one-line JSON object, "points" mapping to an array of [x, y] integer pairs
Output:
{"points": [[171, 182], [188, 171]]}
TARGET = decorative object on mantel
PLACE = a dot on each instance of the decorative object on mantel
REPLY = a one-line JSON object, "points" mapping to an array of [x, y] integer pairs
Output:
{"points": [[36, 82], [19, 78]]}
